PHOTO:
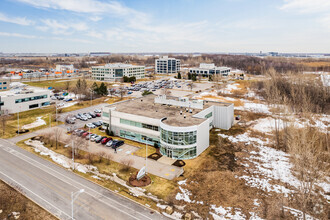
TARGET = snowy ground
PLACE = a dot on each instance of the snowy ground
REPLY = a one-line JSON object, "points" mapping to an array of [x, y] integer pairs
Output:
{"points": [[37, 123]]}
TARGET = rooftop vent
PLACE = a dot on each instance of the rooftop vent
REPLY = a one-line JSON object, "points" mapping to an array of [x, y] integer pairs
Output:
{"points": [[181, 112], [184, 116], [190, 110]]}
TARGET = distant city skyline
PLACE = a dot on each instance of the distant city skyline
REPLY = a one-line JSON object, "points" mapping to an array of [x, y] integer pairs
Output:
{"points": [[81, 26]]}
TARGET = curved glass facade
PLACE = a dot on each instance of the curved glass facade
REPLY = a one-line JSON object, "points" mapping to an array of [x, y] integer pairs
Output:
{"points": [[178, 153], [170, 138], [178, 138]]}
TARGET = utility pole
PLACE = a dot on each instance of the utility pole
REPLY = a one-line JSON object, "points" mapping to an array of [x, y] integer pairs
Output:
{"points": [[146, 155], [73, 198], [18, 120], [72, 146]]}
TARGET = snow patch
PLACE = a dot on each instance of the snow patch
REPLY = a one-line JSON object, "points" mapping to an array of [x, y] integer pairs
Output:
{"points": [[39, 122]]}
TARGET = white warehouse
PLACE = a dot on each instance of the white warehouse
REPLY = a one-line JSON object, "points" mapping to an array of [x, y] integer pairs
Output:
{"points": [[166, 65], [178, 125], [210, 69], [23, 99], [116, 72]]}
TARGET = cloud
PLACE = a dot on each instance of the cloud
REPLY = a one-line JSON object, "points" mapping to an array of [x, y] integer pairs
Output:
{"points": [[95, 34], [321, 9], [57, 27], [15, 20], [95, 18], [307, 6], [6, 34], [83, 6]]}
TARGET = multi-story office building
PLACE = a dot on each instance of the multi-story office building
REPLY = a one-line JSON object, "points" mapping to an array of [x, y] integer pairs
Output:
{"points": [[179, 126], [115, 72], [23, 99], [206, 69], [166, 65]]}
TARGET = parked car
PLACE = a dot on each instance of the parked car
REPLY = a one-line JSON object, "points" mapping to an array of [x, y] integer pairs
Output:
{"points": [[99, 139], [105, 140], [109, 143], [97, 110], [83, 118], [116, 143], [129, 93], [90, 125], [92, 114], [98, 115], [94, 137], [79, 133], [88, 116], [70, 121], [68, 100], [84, 134]]}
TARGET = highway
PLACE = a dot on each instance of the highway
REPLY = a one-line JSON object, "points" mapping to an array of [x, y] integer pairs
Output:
{"points": [[50, 186]]}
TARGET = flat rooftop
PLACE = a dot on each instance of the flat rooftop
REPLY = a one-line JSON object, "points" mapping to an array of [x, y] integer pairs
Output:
{"points": [[15, 91], [145, 106]]}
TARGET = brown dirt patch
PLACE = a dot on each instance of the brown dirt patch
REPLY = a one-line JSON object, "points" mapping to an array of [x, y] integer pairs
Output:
{"points": [[144, 181]]}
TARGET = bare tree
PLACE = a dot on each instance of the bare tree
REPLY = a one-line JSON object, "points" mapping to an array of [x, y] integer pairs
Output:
{"points": [[109, 157], [67, 85], [3, 121], [127, 163], [57, 133], [310, 155], [122, 92]]}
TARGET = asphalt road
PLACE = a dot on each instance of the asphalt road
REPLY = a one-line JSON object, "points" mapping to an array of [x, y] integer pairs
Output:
{"points": [[50, 186]]}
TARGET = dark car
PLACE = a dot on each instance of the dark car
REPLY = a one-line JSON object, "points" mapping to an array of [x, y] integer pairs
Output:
{"points": [[98, 115], [92, 114], [116, 144], [99, 139], [105, 140]]}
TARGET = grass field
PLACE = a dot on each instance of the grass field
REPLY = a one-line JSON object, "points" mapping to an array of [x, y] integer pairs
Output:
{"points": [[11, 200]]}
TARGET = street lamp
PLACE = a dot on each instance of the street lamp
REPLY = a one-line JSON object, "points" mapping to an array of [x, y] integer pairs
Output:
{"points": [[73, 198]]}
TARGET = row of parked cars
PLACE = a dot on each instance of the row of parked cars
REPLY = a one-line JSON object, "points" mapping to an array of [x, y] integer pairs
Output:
{"points": [[107, 141], [84, 117]]}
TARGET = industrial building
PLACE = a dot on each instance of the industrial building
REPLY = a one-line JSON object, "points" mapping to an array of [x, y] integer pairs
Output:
{"points": [[20, 99], [116, 72], [206, 69], [179, 126], [166, 65]]}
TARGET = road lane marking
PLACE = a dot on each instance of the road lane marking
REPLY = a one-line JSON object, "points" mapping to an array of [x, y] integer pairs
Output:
{"points": [[35, 194], [15, 153]]}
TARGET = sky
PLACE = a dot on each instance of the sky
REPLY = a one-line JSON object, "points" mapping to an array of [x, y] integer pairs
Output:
{"points": [[123, 26]]}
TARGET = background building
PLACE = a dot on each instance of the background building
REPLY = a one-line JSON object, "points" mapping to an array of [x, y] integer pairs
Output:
{"points": [[210, 69], [115, 72], [166, 65], [179, 126], [23, 99]]}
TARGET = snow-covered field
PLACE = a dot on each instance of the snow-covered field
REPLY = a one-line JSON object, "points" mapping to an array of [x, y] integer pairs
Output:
{"points": [[39, 122]]}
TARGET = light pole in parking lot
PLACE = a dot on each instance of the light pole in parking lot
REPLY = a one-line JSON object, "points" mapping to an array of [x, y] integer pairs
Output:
{"points": [[72, 149], [74, 196]]}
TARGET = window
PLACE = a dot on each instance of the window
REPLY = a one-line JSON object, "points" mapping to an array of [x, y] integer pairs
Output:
{"points": [[209, 115], [33, 106], [178, 138], [30, 98], [105, 114]]}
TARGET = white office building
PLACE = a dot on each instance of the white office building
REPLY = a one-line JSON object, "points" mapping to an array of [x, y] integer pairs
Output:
{"points": [[206, 69], [116, 71], [166, 65], [23, 99], [179, 126]]}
